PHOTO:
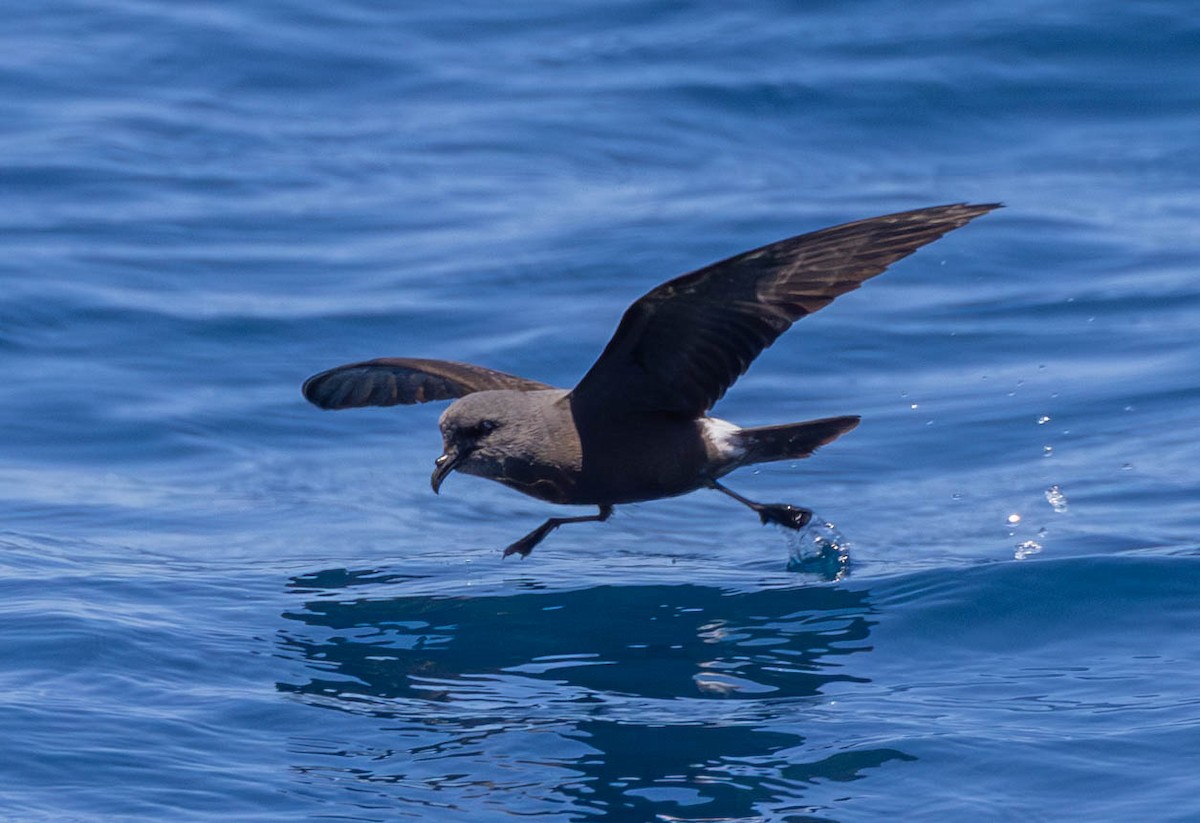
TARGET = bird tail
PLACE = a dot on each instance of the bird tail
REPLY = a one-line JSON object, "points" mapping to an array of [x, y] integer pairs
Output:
{"points": [[791, 441]]}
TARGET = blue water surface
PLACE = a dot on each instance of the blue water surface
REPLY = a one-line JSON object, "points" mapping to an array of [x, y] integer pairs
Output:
{"points": [[219, 603]]}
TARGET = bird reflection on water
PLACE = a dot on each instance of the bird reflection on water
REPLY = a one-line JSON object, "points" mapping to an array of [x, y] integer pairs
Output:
{"points": [[682, 700]]}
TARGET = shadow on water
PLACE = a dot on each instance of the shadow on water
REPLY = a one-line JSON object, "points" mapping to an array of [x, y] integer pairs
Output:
{"points": [[647, 701]]}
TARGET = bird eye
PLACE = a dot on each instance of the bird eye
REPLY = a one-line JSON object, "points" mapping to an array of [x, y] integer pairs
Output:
{"points": [[478, 430]]}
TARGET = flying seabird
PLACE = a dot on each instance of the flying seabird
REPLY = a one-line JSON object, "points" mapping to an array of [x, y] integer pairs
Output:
{"points": [[636, 427]]}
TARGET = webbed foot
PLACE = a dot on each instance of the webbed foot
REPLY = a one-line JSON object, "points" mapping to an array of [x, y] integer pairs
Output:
{"points": [[525, 545], [783, 514]]}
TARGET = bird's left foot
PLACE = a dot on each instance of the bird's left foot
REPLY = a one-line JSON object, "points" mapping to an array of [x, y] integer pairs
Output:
{"points": [[521, 547], [783, 514], [525, 545]]}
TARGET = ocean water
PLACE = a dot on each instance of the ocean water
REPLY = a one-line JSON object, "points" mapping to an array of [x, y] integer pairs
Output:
{"points": [[219, 603]]}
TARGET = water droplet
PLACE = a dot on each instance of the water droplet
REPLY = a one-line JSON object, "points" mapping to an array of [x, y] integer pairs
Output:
{"points": [[1027, 549], [1014, 519], [1043, 420], [1056, 498]]}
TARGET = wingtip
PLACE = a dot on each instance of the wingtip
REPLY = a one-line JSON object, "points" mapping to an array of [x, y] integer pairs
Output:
{"points": [[306, 389], [945, 217], [950, 215], [311, 389], [969, 211]]}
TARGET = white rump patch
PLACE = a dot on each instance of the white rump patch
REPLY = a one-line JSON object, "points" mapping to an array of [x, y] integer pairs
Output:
{"points": [[722, 436]]}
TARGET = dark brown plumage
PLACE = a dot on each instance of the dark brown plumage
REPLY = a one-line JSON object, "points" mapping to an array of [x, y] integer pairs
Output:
{"points": [[684, 343], [391, 381], [635, 427]]}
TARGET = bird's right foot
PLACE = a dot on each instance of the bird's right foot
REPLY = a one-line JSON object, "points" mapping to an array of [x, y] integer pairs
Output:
{"points": [[783, 514]]}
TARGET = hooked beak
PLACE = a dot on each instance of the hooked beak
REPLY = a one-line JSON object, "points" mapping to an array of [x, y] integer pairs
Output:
{"points": [[442, 467]]}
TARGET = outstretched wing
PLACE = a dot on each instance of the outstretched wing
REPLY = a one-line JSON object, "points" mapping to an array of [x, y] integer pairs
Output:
{"points": [[390, 381], [682, 345]]}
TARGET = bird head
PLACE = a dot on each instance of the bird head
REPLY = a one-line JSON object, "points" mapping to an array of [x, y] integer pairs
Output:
{"points": [[472, 435]]}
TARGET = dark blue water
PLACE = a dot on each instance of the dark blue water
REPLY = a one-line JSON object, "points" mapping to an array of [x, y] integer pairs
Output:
{"points": [[218, 603]]}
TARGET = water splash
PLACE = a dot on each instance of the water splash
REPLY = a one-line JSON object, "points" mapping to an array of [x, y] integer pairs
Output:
{"points": [[819, 548]]}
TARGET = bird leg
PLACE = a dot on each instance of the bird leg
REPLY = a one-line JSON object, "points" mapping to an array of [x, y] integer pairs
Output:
{"points": [[525, 545], [793, 517]]}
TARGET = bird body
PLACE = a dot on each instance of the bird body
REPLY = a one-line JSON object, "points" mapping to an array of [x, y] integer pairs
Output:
{"points": [[636, 426], [533, 443]]}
